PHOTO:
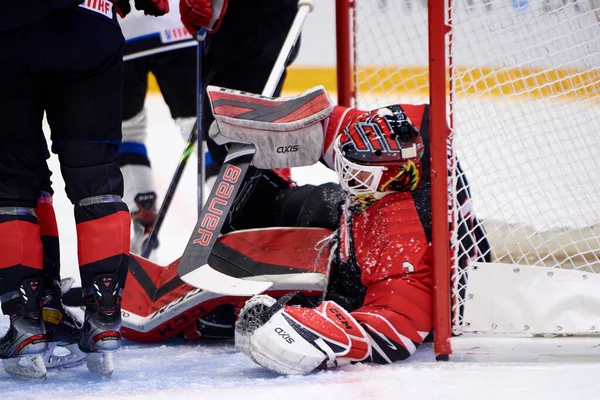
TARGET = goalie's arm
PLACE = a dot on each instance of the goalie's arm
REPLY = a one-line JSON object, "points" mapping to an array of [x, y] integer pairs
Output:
{"points": [[390, 326], [396, 271], [397, 317]]}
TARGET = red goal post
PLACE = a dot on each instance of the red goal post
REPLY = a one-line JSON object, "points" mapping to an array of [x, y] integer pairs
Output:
{"points": [[514, 94]]}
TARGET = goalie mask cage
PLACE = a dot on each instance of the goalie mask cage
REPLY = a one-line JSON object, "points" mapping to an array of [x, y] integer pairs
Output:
{"points": [[513, 88]]}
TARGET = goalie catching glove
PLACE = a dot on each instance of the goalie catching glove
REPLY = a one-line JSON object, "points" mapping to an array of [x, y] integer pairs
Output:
{"points": [[297, 340]]}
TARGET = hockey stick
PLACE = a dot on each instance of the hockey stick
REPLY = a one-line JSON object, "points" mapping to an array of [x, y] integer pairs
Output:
{"points": [[164, 207], [199, 134], [193, 267], [187, 151]]}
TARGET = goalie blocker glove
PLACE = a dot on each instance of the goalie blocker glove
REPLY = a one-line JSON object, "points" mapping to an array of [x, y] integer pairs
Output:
{"points": [[297, 340]]}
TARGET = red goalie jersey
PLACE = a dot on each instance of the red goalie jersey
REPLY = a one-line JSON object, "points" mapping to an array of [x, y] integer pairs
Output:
{"points": [[368, 251], [381, 261], [387, 244]]}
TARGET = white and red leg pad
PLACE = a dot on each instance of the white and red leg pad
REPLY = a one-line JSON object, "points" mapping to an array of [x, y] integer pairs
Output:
{"points": [[286, 131], [297, 340]]}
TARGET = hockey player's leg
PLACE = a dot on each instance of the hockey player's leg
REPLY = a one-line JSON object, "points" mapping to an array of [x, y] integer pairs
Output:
{"points": [[103, 225], [25, 341], [176, 76], [62, 326], [21, 283], [175, 73], [84, 114], [21, 293], [20, 246], [139, 190], [103, 228]]}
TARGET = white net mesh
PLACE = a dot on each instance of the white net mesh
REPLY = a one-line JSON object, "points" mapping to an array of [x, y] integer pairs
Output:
{"points": [[525, 114], [391, 52]]}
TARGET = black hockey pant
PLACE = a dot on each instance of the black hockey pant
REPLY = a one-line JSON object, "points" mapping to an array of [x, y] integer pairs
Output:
{"points": [[69, 66]]}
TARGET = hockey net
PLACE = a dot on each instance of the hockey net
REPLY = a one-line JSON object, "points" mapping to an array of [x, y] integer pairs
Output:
{"points": [[522, 102]]}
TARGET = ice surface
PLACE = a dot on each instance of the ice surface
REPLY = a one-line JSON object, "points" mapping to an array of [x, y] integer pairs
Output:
{"points": [[179, 370]]}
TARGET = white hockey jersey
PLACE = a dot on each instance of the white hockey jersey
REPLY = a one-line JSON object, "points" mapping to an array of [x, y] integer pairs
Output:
{"points": [[146, 35]]}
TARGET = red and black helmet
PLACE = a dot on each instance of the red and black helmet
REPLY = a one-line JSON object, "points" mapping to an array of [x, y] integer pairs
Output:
{"points": [[379, 151]]}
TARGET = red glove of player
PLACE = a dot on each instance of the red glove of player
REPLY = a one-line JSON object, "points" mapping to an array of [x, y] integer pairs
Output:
{"points": [[197, 14], [153, 7], [122, 7]]}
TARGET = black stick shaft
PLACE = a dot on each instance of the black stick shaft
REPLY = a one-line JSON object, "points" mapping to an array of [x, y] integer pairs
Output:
{"points": [[195, 137], [164, 207]]}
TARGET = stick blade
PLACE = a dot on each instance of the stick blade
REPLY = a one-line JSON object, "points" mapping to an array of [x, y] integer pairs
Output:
{"points": [[211, 280]]}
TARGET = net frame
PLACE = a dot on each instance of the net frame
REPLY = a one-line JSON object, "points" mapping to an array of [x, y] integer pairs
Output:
{"points": [[441, 91]]}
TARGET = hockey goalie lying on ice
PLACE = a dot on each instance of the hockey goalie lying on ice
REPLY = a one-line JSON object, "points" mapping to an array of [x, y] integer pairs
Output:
{"points": [[351, 263]]}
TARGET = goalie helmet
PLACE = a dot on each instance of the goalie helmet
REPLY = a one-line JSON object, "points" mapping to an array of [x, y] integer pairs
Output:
{"points": [[379, 151]]}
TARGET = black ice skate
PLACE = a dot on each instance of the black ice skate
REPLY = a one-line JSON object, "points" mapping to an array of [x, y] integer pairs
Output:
{"points": [[101, 333], [62, 331], [142, 220], [24, 343]]}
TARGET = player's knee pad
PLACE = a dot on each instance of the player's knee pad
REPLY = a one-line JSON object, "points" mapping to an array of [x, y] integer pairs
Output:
{"points": [[135, 129], [85, 182], [89, 169]]}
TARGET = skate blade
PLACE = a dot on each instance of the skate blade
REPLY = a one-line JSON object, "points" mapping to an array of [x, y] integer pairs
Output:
{"points": [[100, 364], [67, 356], [26, 367]]}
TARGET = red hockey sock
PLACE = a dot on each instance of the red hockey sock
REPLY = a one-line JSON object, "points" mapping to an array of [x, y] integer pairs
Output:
{"points": [[49, 237]]}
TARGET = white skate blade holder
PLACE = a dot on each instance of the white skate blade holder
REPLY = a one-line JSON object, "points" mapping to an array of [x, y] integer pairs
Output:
{"points": [[30, 367], [100, 364], [68, 356]]}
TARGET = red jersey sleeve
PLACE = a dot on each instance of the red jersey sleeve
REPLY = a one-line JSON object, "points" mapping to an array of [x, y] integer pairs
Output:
{"points": [[395, 260]]}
